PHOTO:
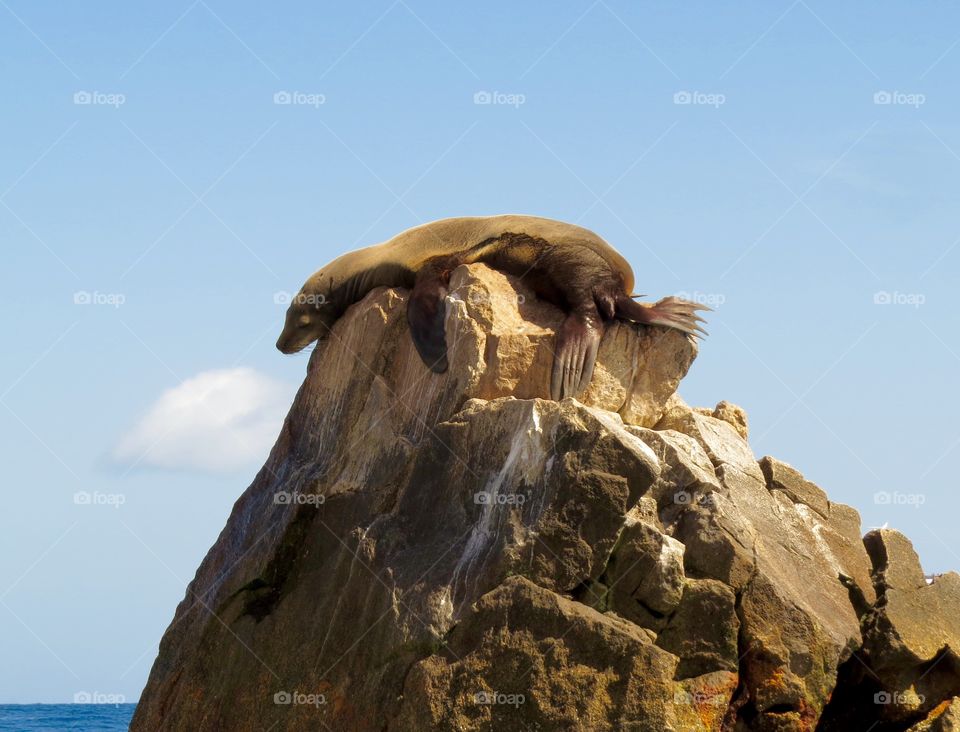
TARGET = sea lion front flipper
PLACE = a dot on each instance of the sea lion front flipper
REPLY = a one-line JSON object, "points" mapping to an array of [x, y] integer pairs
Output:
{"points": [[578, 341], [426, 313]]}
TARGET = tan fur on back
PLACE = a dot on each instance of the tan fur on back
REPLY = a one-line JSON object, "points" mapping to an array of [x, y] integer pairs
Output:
{"points": [[411, 248]]}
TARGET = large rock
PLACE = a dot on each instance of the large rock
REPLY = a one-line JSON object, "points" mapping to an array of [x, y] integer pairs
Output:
{"points": [[703, 631], [645, 575], [834, 525], [797, 625], [457, 552], [526, 658], [912, 635], [908, 669]]}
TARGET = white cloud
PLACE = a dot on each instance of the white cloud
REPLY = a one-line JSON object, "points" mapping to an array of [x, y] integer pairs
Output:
{"points": [[217, 421]]}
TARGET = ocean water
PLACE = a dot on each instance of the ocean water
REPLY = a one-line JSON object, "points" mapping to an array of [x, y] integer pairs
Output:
{"points": [[57, 717]]}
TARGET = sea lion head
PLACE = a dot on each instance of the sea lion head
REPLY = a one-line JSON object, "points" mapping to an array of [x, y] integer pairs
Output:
{"points": [[326, 296], [310, 317]]}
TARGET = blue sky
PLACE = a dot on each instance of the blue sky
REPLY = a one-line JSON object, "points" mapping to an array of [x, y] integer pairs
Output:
{"points": [[155, 198]]}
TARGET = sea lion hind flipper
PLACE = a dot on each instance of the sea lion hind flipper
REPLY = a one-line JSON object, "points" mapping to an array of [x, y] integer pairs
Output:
{"points": [[426, 314], [575, 356], [671, 312]]}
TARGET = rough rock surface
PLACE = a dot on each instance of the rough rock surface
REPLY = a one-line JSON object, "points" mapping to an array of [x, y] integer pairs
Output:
{"points": [[945, 718], [908, 665], [458, 552]]}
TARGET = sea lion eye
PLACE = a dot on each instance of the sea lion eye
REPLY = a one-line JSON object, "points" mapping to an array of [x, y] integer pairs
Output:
{"points": [[304, 321]]}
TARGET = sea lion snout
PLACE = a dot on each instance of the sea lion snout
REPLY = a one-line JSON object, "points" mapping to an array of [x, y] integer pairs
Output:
{"points": [[285, 342], [285, 347], [290, 343]]}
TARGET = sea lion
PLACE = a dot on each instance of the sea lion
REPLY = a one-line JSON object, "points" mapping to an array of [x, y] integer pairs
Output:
{"points": [[565, 264]]}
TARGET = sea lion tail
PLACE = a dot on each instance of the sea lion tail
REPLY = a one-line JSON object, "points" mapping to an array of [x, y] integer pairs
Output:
{"points": [[671, 312]]}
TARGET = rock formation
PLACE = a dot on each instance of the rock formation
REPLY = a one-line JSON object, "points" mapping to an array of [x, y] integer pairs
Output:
{"points": [[457, 552]]}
